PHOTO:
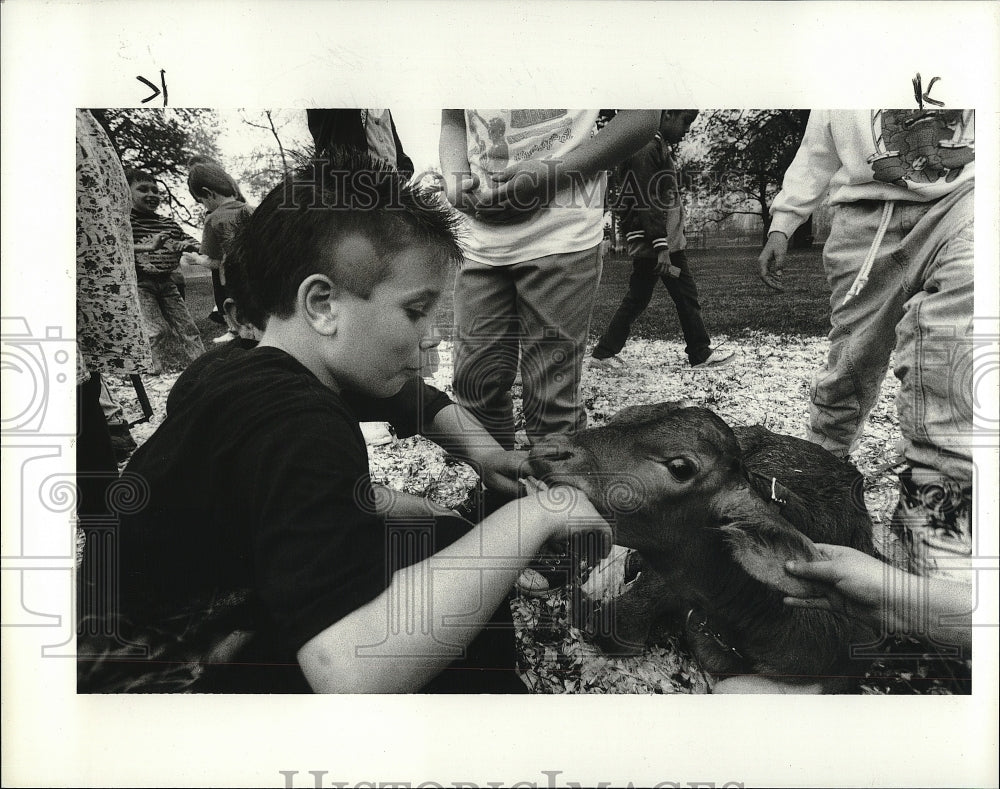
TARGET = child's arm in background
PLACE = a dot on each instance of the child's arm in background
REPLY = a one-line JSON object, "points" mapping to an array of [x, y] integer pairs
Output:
{"points": [[479, 568], [887, 597], [802, 190], [459, 182], [532, 184]]}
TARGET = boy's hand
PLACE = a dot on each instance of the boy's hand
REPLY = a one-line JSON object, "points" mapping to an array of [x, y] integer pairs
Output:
{"points": [[501, 470], [771, 261], [568, 514], [663, 265], [519, 191], [459, 190]]}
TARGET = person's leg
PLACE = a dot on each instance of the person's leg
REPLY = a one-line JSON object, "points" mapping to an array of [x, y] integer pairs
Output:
{"points": [[156, 326], [177, 315], [863, 331], [934, 358], [555, 295], [121, 439], [640, 290], [486, 344], [684, 292]]}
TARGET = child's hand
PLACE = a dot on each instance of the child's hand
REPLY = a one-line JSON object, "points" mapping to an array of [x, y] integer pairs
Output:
{"points": [[570, 517], [771, 261], [194, 259], [519, 191], [500, 470], [460, 192], [846, 580], [158, 241]]}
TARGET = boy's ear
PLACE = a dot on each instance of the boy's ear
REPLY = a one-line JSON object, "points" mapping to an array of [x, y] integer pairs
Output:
{"points": [[319, 300]]}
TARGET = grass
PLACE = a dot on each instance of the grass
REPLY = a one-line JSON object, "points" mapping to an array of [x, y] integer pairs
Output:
{"points": [[733, 299]]}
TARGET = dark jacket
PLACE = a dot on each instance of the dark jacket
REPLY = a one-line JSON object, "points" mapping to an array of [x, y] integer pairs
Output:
{"points": [[649, 203], [345, 128]]}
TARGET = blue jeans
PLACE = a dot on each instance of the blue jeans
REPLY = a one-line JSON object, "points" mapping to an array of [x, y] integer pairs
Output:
{"points": [[917, 302], [537, 311]]}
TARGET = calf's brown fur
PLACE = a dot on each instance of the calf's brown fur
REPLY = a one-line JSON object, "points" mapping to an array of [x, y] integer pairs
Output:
{"points": [[715, 512]]}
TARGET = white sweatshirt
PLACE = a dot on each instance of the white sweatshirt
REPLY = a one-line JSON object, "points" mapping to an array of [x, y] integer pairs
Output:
{"points": [[909, 155]]}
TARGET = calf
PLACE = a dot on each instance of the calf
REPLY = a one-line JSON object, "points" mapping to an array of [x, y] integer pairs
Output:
{"points": [[714, 513]]}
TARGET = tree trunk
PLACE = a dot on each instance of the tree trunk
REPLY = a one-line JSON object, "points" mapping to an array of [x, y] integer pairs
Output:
{"points": [[802, 238]]}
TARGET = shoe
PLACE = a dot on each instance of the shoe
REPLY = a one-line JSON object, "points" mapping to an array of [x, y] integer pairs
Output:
{"points": [[376, 433], [122, 442], [216, 317], [608, 363], [717, 358], [933, 520], [224, 337]]}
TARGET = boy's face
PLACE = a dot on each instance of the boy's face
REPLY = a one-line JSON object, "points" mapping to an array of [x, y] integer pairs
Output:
{"points": [[145, 196], [378, 339], [674, 125]]}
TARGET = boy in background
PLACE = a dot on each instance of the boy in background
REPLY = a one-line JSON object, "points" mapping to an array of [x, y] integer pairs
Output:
{"points": [[159, 243], [216, 190], [653, 223]]}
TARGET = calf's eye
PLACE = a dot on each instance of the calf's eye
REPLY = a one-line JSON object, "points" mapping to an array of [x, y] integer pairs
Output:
{"points": [[682, 469]]}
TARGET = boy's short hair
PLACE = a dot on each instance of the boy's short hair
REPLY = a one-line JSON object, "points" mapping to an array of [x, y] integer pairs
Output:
{"points": [[206, 173], [135, 176], [296, 228]]}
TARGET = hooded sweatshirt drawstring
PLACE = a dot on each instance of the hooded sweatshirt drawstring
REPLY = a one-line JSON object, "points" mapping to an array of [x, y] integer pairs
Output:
{"points": [[866, 267]]}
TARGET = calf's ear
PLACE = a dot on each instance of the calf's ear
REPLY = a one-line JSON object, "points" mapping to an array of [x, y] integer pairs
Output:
{"points": [[762, 548]]}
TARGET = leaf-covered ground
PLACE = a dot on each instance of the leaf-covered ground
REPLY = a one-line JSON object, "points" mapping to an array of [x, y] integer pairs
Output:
{"points": [[767, 385]]}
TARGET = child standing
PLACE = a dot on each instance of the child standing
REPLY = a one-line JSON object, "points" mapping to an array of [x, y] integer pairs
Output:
{"points": [[263, 559], [531, 183], [216, 190], [899, 262], [653, 223], [159, 243]]}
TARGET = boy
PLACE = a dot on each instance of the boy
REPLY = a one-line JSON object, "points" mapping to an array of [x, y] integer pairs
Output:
{"points": [[653, 223], [163, 309], [263, 557], [899, 264], [216, 190]]}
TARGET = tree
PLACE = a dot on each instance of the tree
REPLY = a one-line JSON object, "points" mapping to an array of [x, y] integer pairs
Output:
{"points": [[160, 141], [261, 168], [736, 160]]}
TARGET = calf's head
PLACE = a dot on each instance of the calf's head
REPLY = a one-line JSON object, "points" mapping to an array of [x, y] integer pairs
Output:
{"points": [[671, 481]]}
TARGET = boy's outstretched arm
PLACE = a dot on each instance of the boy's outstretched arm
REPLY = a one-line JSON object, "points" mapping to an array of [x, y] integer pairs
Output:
{"points": [[367, 652], [460, 434]]}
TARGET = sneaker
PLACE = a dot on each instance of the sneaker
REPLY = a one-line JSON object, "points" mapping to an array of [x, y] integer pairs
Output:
{"points": [[608, 363], [376, 433], [717, 358], [933, 520], [122, 442], [227, 337], [532, 583]]}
